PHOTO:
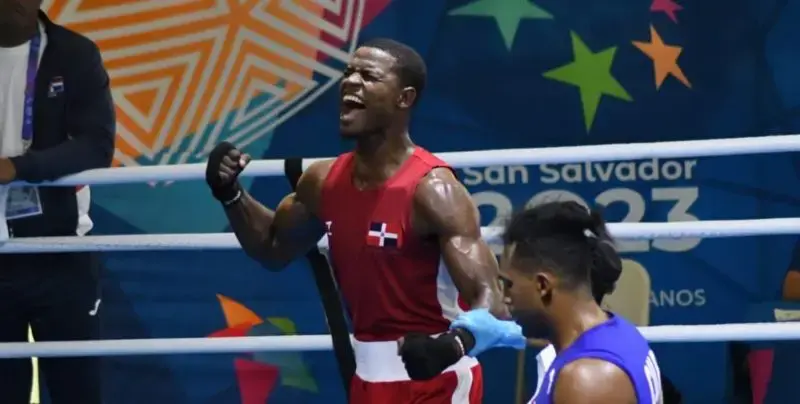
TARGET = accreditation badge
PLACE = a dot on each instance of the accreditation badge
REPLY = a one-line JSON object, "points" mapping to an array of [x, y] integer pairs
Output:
{"points": [[4, 234], [23, 202]]}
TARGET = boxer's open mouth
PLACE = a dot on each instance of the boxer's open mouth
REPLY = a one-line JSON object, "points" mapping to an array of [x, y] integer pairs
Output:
{"points": [[350, 102]]}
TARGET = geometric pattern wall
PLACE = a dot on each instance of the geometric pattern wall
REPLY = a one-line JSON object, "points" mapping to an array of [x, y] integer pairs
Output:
{"points": [[187, 74]]}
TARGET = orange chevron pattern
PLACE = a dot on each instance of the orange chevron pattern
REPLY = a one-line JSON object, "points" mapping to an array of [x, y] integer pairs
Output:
{"points": [[185, 72]]}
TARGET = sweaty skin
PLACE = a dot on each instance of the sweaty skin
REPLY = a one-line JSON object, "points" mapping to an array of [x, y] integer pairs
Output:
{"points": [[592, 381], [442, 210], [275, 238]]}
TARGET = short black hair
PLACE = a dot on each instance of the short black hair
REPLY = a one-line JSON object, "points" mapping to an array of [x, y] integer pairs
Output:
{"points": [[409, 65], [570, 240]]}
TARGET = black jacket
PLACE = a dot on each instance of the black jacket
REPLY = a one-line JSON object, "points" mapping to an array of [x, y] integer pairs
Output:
{"points": [[73, 129]]}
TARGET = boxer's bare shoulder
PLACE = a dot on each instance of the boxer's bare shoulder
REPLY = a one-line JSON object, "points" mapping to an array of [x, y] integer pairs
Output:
{"points": [[444, 210], [309, 187], [442, 203], [593, 381], [295, 227]]}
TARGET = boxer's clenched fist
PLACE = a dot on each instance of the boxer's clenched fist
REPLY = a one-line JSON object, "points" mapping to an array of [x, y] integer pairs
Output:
{"points": [[425, 357], [225, 163]]}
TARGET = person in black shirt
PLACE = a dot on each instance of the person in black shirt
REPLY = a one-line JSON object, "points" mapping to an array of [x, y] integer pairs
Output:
{"points": [[56, 118]]}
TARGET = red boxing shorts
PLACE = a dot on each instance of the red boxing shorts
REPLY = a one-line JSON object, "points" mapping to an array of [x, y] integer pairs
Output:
{"points": [[381, 378]]}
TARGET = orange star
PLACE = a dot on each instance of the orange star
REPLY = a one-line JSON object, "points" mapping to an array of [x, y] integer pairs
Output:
{"points": [[665, 58]]}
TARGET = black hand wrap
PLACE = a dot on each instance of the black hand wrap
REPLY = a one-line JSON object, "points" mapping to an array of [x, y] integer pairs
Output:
{"points": [[425, 357], [223, 190]]}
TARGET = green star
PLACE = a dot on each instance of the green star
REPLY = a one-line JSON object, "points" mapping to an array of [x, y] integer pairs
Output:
{"points": [[507, 13], [591, 73]]}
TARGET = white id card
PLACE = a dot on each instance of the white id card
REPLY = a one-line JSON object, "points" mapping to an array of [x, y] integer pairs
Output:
{"points": [[23, 202], [3, 225]]}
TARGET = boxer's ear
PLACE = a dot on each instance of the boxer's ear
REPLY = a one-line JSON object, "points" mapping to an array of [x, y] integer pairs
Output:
{"points": [[544, 286], [407, 98]]}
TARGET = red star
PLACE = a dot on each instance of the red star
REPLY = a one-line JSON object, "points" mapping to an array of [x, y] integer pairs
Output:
{"points": [[256, 380], [668, 7]]}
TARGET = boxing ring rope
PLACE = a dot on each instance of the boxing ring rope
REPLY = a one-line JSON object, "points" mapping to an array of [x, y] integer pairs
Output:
{"points": [[227, 241], [218, 241], [307, 343], [506, 157]]}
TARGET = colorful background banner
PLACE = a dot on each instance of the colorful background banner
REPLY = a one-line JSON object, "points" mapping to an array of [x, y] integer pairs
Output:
{"points": [[262, 74]]}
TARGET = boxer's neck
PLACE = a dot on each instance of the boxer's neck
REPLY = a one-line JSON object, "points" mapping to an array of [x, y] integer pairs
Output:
{"points": [[575, 317], [379, 156]]}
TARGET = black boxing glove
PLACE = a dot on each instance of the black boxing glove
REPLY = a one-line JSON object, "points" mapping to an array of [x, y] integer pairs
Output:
{"points": [[225, 163], [426, 357]]}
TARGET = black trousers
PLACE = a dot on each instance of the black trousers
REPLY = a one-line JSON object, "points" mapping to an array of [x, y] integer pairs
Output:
{"points": [[58, 295]]}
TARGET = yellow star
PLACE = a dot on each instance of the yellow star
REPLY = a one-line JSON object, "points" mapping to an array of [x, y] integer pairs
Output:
{"points": [[665, 58]]}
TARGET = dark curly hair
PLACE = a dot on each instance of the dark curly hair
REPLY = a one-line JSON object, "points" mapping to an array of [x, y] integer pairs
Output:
{"points": [[409, 65], [569, 240]]}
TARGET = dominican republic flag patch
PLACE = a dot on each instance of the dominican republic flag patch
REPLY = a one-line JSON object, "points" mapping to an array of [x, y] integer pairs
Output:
{"points": [[382, 234]]}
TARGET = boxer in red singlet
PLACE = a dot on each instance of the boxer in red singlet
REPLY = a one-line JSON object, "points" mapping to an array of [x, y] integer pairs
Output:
{"points": [[404, 234]]}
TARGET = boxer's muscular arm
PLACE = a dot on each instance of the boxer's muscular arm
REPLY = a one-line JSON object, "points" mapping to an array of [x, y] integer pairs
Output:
{"points": [[444, 208], [275, 238], [593, 381]]}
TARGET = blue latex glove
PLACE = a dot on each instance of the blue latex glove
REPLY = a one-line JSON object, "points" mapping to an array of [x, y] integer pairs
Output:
{"points": [[490, 332]]}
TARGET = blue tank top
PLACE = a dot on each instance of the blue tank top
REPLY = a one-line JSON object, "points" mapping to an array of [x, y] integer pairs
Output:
{"points": [[616, 341]]}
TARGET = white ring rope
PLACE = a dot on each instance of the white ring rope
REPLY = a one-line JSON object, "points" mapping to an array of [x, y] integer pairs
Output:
{"points": [[550, 155], [300, 343], [227, 241], [557, 155]]}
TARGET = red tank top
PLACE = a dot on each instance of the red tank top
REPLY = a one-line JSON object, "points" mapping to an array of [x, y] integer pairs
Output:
{"points": [[392, 281]]}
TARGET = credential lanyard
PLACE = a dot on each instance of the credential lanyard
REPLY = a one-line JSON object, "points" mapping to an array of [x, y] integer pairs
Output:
{"points": [[30, 89]]}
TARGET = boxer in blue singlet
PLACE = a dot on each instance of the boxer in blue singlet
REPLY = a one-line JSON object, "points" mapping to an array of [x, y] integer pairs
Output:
{"points": [[550, 253], [605, 273]]}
